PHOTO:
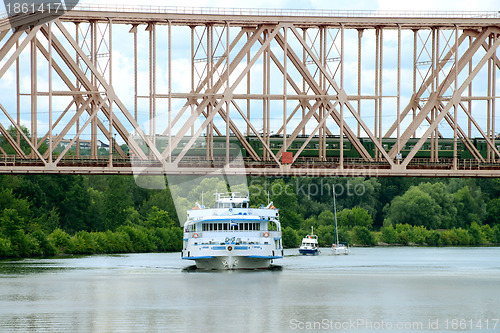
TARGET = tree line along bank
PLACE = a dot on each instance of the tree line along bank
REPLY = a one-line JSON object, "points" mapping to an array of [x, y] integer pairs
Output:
{"points": [[46, 215]]}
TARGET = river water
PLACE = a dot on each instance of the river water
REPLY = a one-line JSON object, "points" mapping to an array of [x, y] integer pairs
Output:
{"points": [[372, 290]]}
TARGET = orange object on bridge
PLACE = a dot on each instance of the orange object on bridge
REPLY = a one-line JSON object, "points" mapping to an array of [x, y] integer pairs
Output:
{"points": [[287, 157]]}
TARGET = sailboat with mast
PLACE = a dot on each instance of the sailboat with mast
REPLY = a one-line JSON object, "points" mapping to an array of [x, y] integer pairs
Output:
{"points": [[337, 247]]}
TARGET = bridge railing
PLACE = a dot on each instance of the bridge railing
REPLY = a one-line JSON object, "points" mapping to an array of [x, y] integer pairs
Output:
{"points": [[274, 11]]}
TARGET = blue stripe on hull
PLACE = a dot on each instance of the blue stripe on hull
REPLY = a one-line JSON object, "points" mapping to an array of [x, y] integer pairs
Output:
{"points": [[195, 258], [265, 257], [304, 251]]}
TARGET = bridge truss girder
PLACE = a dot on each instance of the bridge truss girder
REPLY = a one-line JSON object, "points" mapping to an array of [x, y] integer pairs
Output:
{"points": [[302, 64]]}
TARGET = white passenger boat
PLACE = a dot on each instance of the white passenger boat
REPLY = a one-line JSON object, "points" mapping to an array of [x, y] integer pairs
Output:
{"points": [[232, 235], [309, 244]]}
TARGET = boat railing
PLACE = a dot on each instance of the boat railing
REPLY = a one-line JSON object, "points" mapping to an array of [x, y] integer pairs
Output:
{"points": [[197, 214], [233, 195], [273, 234]]}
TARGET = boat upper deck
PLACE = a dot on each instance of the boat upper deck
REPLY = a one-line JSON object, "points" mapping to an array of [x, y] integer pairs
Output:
{"points": [[202, 214]]}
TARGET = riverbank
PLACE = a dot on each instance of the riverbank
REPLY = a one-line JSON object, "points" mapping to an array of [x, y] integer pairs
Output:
{"points": [[137, 239], [126, 239], [402, 235]]}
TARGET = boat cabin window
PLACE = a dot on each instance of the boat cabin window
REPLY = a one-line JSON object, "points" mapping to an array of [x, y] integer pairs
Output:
{"points": [[230, 226], [234, 205]]}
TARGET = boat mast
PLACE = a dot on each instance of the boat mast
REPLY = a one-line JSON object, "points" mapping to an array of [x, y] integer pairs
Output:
{"points": [[335, 217]]}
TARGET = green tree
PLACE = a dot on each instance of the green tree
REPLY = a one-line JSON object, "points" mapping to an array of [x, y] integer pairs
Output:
{"points": [[463, 236], [117, 199], [61, 240], [356, 216], [161, 199], [306, 224], [493, 209], [391, 187], [433, 238], [74, 206], [440, 195], [476, 234], [9, 201], [469, 209], [316, 193], [489, 186], [362, 193], [258, 195], [158, 219], [487, 233], [362, 236], [290, 218], [389, 235], [415, 207], [134, 218], [325, 235], [326, 218], [45, 246], [11, 224], [175, 243], [85, 243], [418, 234], [208, 186], [285, 199], [96, 210], [290, 237], [496, 234], [5, 247], [25, 147], [141, 238]]}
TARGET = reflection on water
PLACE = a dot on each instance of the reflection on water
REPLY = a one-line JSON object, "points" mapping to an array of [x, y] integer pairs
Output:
{"points": [[411, 289], [193, 269]]}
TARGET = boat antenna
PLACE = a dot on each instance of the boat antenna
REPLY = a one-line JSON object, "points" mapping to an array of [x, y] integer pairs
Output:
{"points": [[335, 217], [268, 198], [202, 205]]}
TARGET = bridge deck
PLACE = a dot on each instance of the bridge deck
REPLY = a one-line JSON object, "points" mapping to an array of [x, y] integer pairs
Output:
{"points": [[304, 167]]}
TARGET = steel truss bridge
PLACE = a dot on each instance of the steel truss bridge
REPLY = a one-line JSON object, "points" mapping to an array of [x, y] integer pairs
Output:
{"points": [[154, 84]]}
